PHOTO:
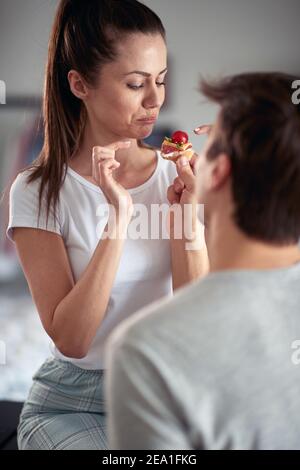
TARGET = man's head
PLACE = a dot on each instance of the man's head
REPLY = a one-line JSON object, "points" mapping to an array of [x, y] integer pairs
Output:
{"points": [[250, 165]]}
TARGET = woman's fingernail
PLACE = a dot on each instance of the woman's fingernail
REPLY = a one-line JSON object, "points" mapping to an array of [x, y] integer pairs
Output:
{"points": [[197, 129]]}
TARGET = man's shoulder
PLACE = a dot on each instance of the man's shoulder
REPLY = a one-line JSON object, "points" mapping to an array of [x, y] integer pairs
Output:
{"points": [[199, 300], [221, 302]]}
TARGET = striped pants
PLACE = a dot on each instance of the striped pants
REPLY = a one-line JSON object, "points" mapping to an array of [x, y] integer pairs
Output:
{"points": [[64, 410]]}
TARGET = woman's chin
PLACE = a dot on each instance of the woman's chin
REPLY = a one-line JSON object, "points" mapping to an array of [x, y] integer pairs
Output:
{"points": [[140, 133], [144, 133]]}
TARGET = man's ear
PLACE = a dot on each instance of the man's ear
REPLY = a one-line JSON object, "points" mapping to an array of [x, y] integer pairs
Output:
{"points": [[220, 171], [77, 84]]}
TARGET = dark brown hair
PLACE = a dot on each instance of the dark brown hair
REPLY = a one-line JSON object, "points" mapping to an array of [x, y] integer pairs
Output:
{"points": [[83, 37], [258, 127]]}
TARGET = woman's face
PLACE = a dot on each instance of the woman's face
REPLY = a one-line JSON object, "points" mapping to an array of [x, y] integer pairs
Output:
{"points": [[131, 90]]}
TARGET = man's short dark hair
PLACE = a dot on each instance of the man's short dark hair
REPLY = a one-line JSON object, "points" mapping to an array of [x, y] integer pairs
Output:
{"points": [[258, 128]]}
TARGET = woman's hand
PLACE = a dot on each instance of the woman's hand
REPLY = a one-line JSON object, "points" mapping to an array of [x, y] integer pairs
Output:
{"points": [[183, 189], [188, 248], [104, 163]]}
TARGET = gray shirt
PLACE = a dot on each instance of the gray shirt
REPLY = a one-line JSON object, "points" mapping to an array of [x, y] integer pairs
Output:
{"points": [[215, 367]]}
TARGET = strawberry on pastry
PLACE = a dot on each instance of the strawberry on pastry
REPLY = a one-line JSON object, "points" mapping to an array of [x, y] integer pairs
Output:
{"points": [[177, 146]]}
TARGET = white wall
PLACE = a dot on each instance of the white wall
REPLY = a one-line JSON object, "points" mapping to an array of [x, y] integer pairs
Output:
{"points": [[24, 33]]}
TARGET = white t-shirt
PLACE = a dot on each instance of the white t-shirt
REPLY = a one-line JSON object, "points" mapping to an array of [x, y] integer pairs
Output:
{"points": [[144, 272]]}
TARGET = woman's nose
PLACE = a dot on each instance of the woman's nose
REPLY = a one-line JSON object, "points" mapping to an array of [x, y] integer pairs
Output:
{"points": [[154, 98]]}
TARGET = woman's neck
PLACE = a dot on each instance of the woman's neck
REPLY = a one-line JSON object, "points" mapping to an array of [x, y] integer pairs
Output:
{"points": [[133, 159]]}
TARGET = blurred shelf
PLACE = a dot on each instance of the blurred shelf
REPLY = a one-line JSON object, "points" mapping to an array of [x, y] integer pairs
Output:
{"points": [[22, 102]]}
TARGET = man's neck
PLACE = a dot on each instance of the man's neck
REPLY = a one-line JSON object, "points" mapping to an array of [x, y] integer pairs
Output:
{"points": [[230, 249]]}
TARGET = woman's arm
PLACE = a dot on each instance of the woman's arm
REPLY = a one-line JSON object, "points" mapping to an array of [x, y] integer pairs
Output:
{"points": [[189, 257], [188, 249], [89, 297], [78, 316], [70, 313]]}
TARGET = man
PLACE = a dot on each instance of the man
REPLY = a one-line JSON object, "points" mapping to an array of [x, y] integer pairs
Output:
{"points": [[213, 367]]}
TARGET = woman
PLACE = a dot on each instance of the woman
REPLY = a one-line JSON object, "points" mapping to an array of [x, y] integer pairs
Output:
{"points": [[104, 88]]}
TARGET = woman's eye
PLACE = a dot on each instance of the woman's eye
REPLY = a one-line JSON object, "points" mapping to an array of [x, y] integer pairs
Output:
{"points": [[137, 87]]}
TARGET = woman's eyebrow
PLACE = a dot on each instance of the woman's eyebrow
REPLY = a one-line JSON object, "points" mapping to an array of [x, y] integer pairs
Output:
{"points": [[145, 74]]}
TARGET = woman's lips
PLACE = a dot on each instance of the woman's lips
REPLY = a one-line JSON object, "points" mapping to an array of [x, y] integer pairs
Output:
{"points": [[148, 120]]}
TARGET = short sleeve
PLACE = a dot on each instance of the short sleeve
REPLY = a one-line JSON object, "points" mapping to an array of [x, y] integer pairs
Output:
{"points": [[24, 207]]}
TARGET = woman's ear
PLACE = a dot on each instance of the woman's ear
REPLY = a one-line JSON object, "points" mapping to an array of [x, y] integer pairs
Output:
{"points": [[220, 171], [77, 85]]}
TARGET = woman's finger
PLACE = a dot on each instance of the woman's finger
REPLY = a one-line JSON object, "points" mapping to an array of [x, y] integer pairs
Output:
{"points": [[109, 150], [105, 169], [101, 153], [122, 144], [173, 198], [112, 147], [101, 159], [194, 162], [95, 169], [107, 166], [178, 185], [205, 129], [186, 174]]}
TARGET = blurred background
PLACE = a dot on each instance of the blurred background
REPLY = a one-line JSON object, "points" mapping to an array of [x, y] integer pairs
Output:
{"points": [[208, 38]]}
